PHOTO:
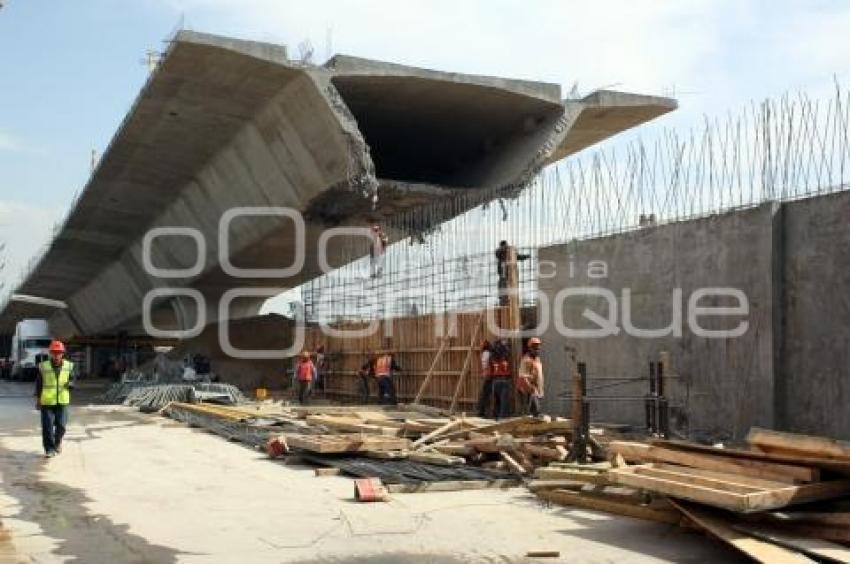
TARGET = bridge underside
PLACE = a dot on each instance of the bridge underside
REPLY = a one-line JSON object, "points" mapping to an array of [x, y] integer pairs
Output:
{"points": [[225, 123]]}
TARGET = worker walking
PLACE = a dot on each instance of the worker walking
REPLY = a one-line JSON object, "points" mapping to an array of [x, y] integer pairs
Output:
{"points": [[385, 367], [500, 372], [530, 381], [305, 373], [485, 400], [53, 385]]}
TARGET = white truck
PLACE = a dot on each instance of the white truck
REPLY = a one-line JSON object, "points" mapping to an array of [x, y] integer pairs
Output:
{"points": [[29, 347]]}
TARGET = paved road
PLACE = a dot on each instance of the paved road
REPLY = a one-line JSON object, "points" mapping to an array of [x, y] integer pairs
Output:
{"points": [[138, 488]]}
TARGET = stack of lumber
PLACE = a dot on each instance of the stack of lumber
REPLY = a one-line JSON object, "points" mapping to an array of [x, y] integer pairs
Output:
{"points": [[508, 449], [778, 499], [425, 437]]}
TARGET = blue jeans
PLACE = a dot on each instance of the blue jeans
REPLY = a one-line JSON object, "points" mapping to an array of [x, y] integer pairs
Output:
{"points": [[502, 390], [386, 390], [54, 418]]}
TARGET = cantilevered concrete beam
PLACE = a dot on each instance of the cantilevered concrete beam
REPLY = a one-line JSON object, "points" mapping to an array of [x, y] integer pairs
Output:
{"points": [[225, 123]]}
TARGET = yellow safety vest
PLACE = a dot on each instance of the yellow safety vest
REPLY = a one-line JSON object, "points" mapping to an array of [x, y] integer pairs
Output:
{"points": [[54, 389]]}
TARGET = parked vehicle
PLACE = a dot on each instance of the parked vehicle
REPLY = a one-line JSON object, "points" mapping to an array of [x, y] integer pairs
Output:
{"points": [[29, 347]]}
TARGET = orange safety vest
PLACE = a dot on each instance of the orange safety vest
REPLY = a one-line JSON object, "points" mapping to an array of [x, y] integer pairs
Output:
{"points": [[500, 368], [383, 366], [304, 371]]}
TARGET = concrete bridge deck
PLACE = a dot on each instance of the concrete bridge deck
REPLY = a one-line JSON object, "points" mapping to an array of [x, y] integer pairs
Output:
{"points": [[225, 123]]}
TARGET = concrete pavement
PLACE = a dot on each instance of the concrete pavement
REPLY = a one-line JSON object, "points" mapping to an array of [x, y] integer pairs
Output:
{"points": [[130, 487]]}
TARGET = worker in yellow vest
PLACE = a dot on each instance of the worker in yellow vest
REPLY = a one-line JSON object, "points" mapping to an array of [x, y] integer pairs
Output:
{"points": [[52, 396]]}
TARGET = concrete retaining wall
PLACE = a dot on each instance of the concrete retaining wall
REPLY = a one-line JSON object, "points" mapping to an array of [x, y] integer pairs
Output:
{"points": [[786, 371], [814, 379]]}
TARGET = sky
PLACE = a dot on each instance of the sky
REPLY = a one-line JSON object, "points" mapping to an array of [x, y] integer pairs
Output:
{"points": [[69, 71]]}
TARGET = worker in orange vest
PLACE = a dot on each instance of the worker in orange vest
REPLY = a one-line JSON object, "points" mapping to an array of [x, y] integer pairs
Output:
{"points": [[530, 381], [305, 373], [385, 366], [500, 373], [485, 399]]}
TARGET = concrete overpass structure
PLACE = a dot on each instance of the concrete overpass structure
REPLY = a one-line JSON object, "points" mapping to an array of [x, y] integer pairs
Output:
{"points": [[225, 123]]}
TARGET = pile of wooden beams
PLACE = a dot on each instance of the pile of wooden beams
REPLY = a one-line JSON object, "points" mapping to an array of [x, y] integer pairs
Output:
{"points": [[508, 449], [785, 497]]}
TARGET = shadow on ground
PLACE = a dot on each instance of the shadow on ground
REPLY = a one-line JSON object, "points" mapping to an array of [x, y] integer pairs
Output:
{"points": [[61, 513]]}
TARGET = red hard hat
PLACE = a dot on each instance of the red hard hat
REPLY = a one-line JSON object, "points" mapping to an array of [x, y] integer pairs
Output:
{"points": [[56, 346]]}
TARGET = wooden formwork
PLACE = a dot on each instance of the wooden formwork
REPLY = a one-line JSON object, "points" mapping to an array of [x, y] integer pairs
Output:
{"points": [[416, 344]]}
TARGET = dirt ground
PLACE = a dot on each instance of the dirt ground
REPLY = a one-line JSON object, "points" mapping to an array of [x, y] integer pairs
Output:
{"points": [[130, 487]]}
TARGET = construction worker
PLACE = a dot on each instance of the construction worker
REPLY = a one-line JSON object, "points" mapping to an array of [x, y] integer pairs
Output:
{"points": [[530, 381], [305, 373], [502, 270], [321, 368], [53, 383], [485, 400], [378, 250], [366, 371], [385, 366], [500, 373]]}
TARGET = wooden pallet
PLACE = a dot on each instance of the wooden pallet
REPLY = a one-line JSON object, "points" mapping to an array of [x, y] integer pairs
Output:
{"points": [[728, 491]]}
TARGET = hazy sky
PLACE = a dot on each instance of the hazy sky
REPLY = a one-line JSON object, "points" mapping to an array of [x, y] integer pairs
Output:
{"points": [[70, 70]]}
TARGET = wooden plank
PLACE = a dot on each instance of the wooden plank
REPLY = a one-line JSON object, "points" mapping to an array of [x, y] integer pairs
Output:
{"points": [[692, 492], [350, 424], [806, 445], [726, 494], [540, 485], [436, 458], [830, 464], [817, 548], [387, 454], [577, 499], [802, 493], [452, 486], [437, 432], [541, 553], [544, 453], [345, 443], [455, 449], [465, 368], [756, 549], [586, 476], [643, 452], [434, 362], [737, 480], [514, 466], [598, 466]]}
